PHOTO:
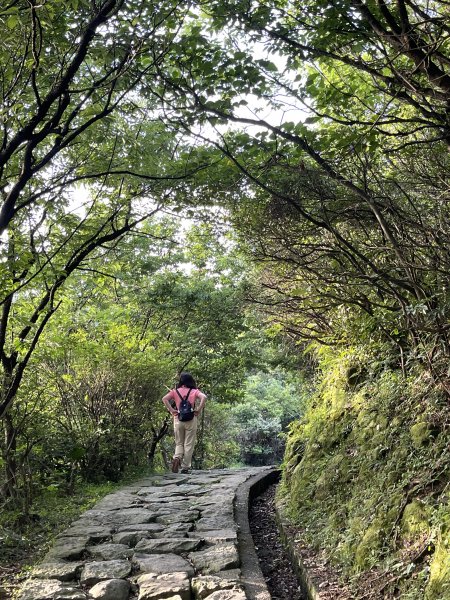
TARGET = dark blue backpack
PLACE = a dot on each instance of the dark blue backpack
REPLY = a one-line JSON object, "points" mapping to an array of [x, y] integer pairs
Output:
{"points": [[185, 411]]}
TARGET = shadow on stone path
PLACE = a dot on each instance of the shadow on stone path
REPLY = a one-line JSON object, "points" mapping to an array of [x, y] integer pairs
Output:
{"points": [[171, 537]]}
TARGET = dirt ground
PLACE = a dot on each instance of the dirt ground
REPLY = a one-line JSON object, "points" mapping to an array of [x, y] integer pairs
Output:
{"points": [[275, 564]]}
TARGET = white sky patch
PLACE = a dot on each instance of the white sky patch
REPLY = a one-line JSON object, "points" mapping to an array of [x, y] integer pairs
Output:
{"points": [[3, 242], [80, 197]]}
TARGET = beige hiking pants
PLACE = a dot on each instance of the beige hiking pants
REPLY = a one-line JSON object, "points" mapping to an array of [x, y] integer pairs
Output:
{"points": [[185, 436]]}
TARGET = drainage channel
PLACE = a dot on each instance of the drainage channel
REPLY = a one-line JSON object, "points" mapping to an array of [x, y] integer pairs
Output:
{"points": [[277, 569]]}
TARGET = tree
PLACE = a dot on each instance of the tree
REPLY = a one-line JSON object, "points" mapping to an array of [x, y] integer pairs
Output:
{"points": [[71, 105], [271, 400], [131, 317], [48, 245], [349, 183], [65, 74]]}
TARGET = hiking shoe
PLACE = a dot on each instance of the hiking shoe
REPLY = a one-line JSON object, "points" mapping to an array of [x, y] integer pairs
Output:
{"points": [[176, 464], [185, 471]]}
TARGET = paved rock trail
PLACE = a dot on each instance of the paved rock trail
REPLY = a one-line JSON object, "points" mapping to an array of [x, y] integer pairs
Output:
{"points": [[171, 537]]}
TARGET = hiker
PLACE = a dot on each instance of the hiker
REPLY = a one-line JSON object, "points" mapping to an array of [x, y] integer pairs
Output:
{"points": [[189, 402]]}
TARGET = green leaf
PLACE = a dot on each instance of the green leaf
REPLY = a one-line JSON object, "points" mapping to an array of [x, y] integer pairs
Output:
{"points": [[312, 120], [12, 21], [268, 65]]}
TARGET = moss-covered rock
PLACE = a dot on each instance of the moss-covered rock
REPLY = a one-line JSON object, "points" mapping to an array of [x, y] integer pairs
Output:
{"points": [[322, 487], [438, 587], [420, 434], [415, 519], [368, 549]]}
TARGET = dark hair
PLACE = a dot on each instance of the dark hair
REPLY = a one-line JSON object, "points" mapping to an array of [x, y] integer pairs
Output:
{"points": [[187, 380]]}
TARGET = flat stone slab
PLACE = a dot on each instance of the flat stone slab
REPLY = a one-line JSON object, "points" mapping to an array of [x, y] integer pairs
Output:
{"points": [[167, 480], [212, 524], [192, 489], [168, 546], [234, 574], [130, 538], [150, 527], [63, 571], [176, 530], [134, 515], [68, 548], [228, 595], [219, 536], [156, 587], [130, 516], [216, 502], [169, 507], [112, 589], [110, 551], [95, 572], [214, 559], [159, 564], [162, 511], [205, 479], [203, 587], [93, 533], [50, 589], [175, 517], [218, 509], [117, 500]]}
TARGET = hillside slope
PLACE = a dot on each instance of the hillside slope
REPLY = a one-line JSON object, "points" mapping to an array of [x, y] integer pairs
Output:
{"points": [[366, 477]]}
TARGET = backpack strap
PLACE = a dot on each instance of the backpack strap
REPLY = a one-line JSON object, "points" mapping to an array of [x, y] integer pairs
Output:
{"points": [[181, 397]]}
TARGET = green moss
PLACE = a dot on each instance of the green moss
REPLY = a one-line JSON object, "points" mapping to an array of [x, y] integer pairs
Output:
{"points": [[415, 519], [382, 423], [331, 476], [438, 587], [356, 526], [322, 487], [358, 464], [368, 549], [338, 519], [336, 464], [420, 434]]}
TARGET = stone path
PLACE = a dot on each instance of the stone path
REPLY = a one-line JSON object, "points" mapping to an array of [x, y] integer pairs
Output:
{"points": [[171, 537]]}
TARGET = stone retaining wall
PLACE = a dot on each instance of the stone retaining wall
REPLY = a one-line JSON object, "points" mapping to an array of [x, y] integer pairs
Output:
{"points": [[171, 537]]}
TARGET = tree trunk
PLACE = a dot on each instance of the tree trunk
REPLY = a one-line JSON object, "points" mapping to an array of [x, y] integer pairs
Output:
{"points": [[9, 487], [157, 436]]}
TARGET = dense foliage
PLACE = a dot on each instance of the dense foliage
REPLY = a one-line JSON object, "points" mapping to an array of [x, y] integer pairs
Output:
{"points": [[127, 324]]}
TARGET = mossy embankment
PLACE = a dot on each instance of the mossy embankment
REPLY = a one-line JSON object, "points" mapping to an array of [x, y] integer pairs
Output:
{"points": [[366, 477]]}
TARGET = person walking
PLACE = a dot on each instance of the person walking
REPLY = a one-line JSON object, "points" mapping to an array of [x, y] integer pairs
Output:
{"points": [[189, 402]]}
